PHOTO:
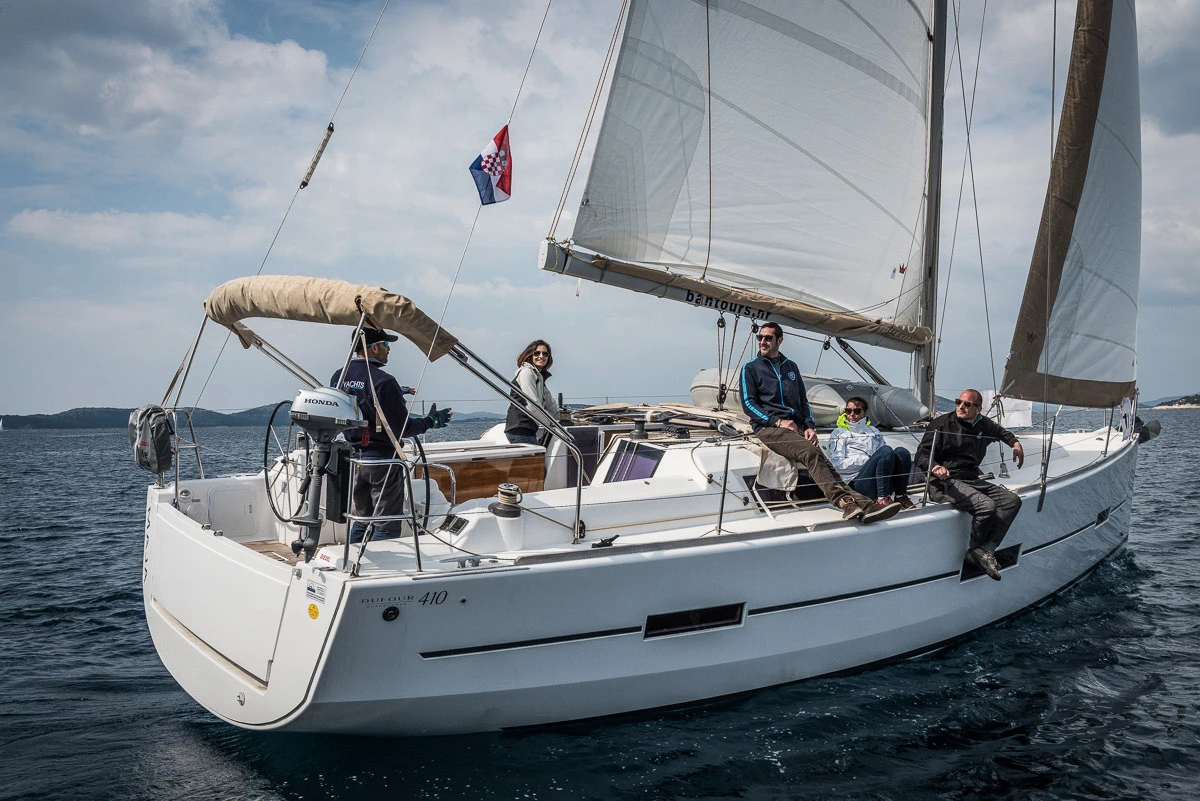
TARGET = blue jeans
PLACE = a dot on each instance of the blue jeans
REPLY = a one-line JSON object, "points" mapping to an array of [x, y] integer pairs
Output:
{"points": [[885, 473]]}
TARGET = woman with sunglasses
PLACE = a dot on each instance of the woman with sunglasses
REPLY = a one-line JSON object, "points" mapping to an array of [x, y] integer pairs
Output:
{"points": [[533, 368], [865, 461]]}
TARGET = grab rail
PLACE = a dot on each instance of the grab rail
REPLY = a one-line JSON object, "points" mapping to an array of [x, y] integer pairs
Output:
{"points": [[406, 475], [180, 445], [356, 464], [513, 394]]}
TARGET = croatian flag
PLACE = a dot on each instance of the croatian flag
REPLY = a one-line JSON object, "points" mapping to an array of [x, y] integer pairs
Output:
{"points": [[492, 170]]}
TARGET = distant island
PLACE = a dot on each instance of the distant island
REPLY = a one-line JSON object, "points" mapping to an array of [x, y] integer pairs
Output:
{"points": [[1185, 402], [107, 417]]}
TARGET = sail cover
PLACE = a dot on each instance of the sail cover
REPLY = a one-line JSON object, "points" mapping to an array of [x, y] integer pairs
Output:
{"points": [[323, 300], [1075, 340], [774, 146]]}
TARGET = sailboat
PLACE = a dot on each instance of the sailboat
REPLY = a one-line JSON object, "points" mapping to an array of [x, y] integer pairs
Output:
{"points": [[752, 155]]}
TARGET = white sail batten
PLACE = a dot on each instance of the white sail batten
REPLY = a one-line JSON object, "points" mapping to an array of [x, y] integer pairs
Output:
{"points": [[1085, 353], [816, 194]]}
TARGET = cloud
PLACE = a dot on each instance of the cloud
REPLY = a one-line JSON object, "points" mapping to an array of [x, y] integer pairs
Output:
{"points": [[156, 88], [1170, 62], [160, 238], [150, 148]]}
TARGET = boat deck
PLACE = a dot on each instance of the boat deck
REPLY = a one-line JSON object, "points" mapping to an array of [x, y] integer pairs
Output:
{"points": [[675, 511], [278, 551]]}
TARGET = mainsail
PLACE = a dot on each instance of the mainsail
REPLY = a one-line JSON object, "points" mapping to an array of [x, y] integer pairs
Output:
{"points": [[770, 149], [1075, 338]]}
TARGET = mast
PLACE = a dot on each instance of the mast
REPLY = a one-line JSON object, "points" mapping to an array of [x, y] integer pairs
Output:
{"points": [[923, 378]]}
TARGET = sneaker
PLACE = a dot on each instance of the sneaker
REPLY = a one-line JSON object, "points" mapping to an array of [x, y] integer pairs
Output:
{"points": [[850, 509], [986, 560], [905, 502], [881, 509]]}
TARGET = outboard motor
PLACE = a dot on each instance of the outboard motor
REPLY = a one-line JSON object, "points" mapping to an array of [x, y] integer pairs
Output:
{"points": [[152, 437], [322, 413]]}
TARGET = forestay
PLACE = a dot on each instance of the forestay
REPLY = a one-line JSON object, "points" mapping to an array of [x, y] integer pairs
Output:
{"points": [[811, 187], [1086, 262]]}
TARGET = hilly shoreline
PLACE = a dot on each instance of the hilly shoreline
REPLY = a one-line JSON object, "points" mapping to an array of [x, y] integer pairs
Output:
{"points": [[108, 417]]}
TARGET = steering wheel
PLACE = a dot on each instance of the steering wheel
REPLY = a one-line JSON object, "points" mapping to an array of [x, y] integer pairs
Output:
{"points": [[280, 470]]}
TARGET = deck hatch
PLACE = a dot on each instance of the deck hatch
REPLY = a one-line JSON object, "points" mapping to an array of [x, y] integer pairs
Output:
{"points": [[453, 524], [633, 461], [712, 617]]}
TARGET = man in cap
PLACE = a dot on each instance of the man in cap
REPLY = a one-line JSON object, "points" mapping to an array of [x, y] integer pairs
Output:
{"points": [[379, 489], [950, 452]]}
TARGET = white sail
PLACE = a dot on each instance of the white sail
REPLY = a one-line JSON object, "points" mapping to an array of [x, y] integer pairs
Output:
{"points": [[1086, 352], [803, 192]]}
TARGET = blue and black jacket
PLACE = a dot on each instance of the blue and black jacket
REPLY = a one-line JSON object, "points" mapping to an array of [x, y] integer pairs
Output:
{"points": [[374, 439], [773, 391]]}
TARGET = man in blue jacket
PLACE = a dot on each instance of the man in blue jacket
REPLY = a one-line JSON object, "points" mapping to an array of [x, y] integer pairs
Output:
{"points": [[379, 489], [773, 398]]}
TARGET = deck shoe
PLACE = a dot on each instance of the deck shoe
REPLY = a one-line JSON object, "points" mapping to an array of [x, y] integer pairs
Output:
{"points": [[986, 560], [905, 502], [881, 509], [850, 509]]}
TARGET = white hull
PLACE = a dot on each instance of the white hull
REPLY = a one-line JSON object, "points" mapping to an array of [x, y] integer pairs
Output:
{"points": [[562, 634]]}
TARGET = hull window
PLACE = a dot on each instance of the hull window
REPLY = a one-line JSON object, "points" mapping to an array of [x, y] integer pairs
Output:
{"points": [[713, 617], [1007, 557]]}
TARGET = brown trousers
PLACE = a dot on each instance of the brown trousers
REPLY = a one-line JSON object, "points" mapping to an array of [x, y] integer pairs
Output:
{"points": [[794, 447]]}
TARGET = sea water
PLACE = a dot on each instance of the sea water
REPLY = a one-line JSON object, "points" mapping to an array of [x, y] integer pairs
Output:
{"points": [[1095, 694]]}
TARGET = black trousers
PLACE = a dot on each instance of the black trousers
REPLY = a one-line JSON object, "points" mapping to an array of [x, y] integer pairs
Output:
{"points": [[992, 508]]}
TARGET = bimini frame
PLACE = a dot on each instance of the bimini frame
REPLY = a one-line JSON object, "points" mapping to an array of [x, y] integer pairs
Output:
{"points": [[341, 303]]}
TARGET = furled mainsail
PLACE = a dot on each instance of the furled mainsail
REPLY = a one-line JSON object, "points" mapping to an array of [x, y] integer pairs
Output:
{"points": [[811, 187], [1075, 340]]}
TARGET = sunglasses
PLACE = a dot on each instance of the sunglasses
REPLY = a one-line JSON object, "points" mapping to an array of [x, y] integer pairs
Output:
{"points": [[383, 342], [855, 410], [765, 337], [968, 404], [545, 353]]}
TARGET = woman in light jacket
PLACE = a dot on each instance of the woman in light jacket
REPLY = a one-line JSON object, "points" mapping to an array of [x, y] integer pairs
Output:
{"points": [[533, 368], [865, 461]]}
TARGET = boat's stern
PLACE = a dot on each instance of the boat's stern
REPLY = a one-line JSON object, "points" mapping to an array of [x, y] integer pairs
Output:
{"points": [[240, 628]]}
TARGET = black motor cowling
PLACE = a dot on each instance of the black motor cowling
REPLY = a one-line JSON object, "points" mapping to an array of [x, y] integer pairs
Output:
{"points": [[153, 438]]}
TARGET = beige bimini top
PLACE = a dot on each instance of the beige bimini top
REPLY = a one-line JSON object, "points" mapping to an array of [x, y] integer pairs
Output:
{"points": [[323, 300]]}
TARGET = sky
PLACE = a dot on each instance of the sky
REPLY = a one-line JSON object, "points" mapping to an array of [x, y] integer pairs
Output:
{"points": [[149, 150]]}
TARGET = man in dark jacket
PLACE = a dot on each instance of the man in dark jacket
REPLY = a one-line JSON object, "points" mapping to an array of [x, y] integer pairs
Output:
{"points": [[950, 452], [773, 398], [379, 489]]}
